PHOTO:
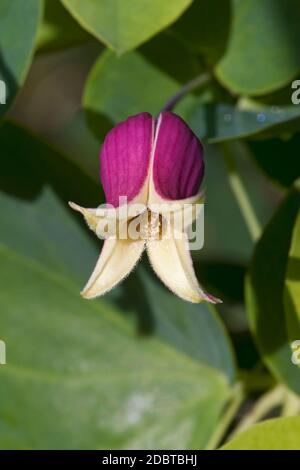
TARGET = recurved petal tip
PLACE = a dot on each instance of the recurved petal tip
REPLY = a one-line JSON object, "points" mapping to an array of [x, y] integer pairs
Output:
{"points": [[211, 299], [170, 258], [90, 215]]}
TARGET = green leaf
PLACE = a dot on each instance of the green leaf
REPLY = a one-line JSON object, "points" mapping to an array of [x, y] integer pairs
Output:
{"points": [[274, 434], [263, 50], [43, 240], [165, 52], [265, 290], [76, 375], [204, 31], [225, 277], [292, 284], [58, 29], [217, 122], [114, 87], [27, 164], [183, 324], [238, 246], [125, 24], [278, 158], [18, 29]]}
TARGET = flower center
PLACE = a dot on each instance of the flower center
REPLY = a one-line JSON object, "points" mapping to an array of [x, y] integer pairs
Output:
{"points": [[149, 227]]}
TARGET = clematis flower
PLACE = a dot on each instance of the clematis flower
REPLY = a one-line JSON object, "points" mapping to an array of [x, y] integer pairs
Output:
{"points": [[158, 166]]}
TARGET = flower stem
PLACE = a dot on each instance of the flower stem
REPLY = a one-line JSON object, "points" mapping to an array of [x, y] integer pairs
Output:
{"points": [[229, 414], [196, 82], [291, 404], [279, 396], [262, 407], [240, 193]]}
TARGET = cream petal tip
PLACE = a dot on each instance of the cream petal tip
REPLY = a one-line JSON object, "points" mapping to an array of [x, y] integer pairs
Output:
{"points": [[116, 261], [196, 298], [90, 292], [75, 206], [85, 295]]}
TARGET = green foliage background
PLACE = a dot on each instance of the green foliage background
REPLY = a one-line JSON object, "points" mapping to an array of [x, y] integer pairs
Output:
{"points": [[140, 368]]}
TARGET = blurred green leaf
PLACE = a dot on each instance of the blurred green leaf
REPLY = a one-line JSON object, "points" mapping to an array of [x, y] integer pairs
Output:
{"points": [[265, 290], [166, 52], [234, 245], [277, 98], [81, 142], [205, 28], [125, 24], [27, 164], [121, 87], [274, 434], [194, 329], [76, 375], [18, 29], [278, 158], [264, 46], [292, 284], [43, 239], [226, 278], [58, 29], [217, 122]]}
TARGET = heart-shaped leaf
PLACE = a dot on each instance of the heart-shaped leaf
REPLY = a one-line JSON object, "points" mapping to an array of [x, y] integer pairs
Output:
{"points": [[264, 46], [125, 24], [114, 87]]}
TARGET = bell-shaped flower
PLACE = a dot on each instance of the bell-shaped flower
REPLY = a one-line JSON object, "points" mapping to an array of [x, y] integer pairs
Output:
{"points": [[151, 171]]}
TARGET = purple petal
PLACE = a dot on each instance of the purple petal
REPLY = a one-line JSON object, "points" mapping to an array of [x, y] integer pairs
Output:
{"points": [[178, 165], [124, 158]]}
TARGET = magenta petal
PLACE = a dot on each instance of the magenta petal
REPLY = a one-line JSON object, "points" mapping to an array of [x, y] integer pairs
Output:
{"points": [[124, 158], [178, 165]]}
